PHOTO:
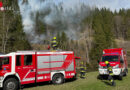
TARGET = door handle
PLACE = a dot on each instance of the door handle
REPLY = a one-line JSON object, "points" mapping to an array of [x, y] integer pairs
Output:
{"points": [[32, 70], [19, 68]]}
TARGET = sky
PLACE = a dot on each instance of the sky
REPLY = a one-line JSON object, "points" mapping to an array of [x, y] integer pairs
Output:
{"points": [[36, 5], [111, 4]]}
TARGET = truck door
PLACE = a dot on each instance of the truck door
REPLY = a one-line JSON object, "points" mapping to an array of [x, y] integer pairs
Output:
{"points": [[19, 65], [122, 63], [28, 69]]}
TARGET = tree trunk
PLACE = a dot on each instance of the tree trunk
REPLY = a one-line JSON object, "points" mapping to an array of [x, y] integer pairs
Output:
{"points": [[6, 39], [3, 37]]}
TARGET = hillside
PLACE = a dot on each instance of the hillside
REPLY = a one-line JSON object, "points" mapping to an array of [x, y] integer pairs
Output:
{"points": [[90, 83], [98, 29], [126, 46]]}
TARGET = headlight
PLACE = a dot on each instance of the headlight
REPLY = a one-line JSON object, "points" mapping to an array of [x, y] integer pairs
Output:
{"points": [[117, 66], [100, 66], [1, 78]]}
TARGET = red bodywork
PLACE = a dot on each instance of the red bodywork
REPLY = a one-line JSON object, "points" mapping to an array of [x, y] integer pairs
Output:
{"points": [[33, 67], [27, 72], [1, 4], [32, 73], [5, 68], [115, 52]]}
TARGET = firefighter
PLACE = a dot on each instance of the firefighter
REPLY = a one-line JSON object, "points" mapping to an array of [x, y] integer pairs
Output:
{"points": [[54, 43], [109, 69], [82, 71]]}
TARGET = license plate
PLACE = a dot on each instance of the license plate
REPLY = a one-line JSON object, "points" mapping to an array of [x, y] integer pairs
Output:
{"points": [[105, 71]]}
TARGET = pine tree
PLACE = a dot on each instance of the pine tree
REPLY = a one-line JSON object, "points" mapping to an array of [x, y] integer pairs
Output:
{"points": [[62, 41], [103, 38]]}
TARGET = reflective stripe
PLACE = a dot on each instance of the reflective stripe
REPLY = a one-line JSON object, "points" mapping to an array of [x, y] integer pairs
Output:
{"points": [[111, 73], [54, 41], [82, 71], [83, 67], [28, 79], [111, 80], [54, 45], [83, 76], [110, 68]]}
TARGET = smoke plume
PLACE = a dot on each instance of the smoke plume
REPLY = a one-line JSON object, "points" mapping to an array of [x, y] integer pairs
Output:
{"points": [[60, 15], [56, 16]]}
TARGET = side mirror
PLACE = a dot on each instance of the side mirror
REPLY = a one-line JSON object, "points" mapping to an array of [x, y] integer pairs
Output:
{"points": [[77, 57], [121, 61]]}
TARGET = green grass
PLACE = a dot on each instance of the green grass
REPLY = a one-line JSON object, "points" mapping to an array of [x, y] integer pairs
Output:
{"points": [[90, 83]]}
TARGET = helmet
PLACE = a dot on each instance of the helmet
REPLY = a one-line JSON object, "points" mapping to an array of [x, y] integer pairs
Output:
{"points": [[54, 37], [106, 62]]}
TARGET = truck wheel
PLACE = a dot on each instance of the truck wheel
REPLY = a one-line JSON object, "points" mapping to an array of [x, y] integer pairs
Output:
{"points": [[100, 77], [10, 84], [58, 79], [120, 77]]}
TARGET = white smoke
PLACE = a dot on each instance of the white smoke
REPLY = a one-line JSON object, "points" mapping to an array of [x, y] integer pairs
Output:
{"points": [[61, 15]]}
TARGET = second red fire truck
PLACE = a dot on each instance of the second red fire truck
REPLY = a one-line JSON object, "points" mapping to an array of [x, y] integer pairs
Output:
{"points": [[25, 67], [118, 61]]}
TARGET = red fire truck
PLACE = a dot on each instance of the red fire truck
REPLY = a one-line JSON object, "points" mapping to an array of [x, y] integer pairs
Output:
{"points": [[25, 67], [118, 61]]}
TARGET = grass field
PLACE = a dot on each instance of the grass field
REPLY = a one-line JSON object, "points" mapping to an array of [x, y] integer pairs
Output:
{"points": [[90, 83]]}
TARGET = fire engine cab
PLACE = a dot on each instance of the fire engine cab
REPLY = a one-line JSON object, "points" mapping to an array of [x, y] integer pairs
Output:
{"points": [[25, 67], [118, 61]]}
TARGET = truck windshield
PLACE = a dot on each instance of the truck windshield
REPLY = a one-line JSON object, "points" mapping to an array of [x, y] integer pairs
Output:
{"points": [[4, 60], [110, 58], [0, 63]]}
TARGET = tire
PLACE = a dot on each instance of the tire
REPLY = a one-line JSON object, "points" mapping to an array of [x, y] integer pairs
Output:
{"points": [[58, 79], [100, 77], [120, 77], [11, 84]]}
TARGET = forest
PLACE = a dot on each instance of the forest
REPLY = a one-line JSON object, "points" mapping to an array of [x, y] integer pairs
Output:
{"points": [[99, 30]]}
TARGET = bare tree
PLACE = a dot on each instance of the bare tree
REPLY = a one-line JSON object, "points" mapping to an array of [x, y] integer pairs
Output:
{"points": [[4, 34], [25, 1]]}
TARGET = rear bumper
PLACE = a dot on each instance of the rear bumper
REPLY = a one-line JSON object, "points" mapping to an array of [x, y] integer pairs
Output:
{"points": [[104, 71]]}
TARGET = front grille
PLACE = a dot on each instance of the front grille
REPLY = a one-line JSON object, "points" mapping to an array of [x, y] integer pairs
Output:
{"points": [[105, 67]]}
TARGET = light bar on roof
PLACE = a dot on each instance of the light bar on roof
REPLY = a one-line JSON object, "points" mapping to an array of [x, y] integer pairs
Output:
{"points": [[112, 53]]}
